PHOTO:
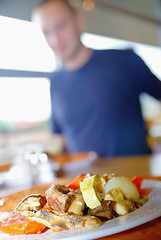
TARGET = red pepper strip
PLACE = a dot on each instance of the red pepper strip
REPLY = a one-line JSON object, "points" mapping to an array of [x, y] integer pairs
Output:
{"points": [[83, 224], [138, 182], [75, 184], [17, 224]]}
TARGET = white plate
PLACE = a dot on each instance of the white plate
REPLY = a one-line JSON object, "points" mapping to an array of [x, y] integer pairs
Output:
{"points": [[148, 212]]}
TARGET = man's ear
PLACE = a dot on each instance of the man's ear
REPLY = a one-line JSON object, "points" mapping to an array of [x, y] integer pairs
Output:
{"points": [[81, 21]]}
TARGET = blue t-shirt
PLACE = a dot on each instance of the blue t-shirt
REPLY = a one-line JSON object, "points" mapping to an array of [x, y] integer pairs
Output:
{"points": [[97, 107]]}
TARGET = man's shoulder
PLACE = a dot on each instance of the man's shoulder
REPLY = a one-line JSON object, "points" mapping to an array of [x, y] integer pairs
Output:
{"points": [[116, 55], [114, 52]]}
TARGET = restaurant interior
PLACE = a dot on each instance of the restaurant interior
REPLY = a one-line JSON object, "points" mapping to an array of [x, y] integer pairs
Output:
{"points": [[30, 153]]}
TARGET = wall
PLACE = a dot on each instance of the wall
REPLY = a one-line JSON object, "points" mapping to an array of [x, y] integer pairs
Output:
{"points": [[122, 25], [107, 20], [20, 9]]}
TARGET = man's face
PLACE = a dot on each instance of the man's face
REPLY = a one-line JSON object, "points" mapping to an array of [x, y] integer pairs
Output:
{"points": [[61, 28]]}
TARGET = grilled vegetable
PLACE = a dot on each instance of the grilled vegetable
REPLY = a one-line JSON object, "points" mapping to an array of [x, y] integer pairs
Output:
{"points": [[18, 224], [125, 185], [92, 190], [138, 182], [123, 207], [75, 184], [114, 195], [77, 205]]}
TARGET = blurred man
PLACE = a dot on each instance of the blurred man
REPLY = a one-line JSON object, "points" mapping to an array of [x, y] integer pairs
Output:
{"points": [[95, 96]]}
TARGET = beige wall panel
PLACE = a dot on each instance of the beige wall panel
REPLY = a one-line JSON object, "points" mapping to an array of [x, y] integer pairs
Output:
{"points": [[115, 24]]}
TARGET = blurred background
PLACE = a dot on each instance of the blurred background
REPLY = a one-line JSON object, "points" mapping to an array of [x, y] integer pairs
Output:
{"points": [[26, 62]]}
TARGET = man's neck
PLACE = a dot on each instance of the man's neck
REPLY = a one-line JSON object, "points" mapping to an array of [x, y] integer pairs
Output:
{"points": [[79, 60]]}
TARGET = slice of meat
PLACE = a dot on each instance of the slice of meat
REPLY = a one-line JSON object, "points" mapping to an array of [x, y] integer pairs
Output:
{"points": [[59, 197], [65, 221]]}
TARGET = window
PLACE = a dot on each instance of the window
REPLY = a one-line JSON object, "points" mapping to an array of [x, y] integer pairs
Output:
{"points": [[23, 47], [26, 101], [25, 62]]}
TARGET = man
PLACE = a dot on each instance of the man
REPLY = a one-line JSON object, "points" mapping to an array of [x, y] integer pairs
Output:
{"points": [[95, 96]]}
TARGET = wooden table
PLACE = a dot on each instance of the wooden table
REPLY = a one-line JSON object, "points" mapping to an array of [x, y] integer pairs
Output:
{"points": [[5, 167], [147, 166]]}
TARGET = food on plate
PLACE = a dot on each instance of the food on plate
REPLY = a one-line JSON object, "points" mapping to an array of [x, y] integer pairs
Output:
{"points": [[19, 224], [87, 202], [9, 202], [125, 185], [33, 202], [92, 190]]}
